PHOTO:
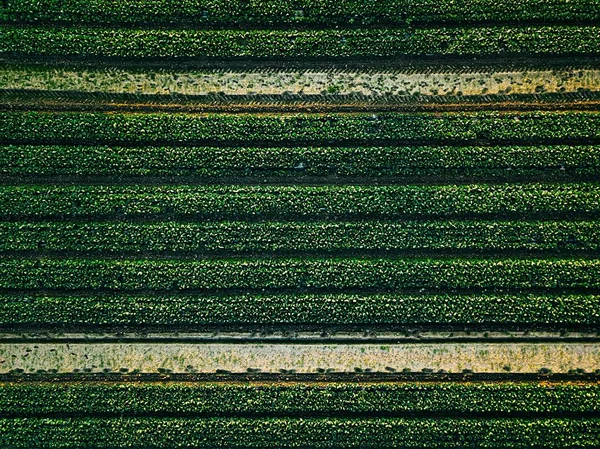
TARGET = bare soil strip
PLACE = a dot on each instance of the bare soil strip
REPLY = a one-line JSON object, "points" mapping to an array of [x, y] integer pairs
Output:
{"points": [[425, 64], [91, 357], [304, 336], [315, 104], [296, 82]]}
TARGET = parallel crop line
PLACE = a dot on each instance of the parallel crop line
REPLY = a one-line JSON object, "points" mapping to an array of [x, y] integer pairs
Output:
{"points": [[403, 42], [299, 202], [293, 433], [299, 14], [306, 398], [181, 309], [315, 274], [287, 237], [300, 129], [213, 163]]}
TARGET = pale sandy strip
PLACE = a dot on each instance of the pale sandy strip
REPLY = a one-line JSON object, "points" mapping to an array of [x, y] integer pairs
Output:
{"points": [[299, 82], [303, 358]]}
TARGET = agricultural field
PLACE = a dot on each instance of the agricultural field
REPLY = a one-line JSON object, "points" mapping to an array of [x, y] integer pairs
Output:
{"points": [[306, 224]]}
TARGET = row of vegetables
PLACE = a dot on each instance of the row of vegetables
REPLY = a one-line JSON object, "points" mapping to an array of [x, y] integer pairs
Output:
{"points": [[549, 200], [323, 13], [567, 40], [317, 433], [297, 129], [299, 274], [519, 310], [293, 163], [199, 398], [229, 237]]}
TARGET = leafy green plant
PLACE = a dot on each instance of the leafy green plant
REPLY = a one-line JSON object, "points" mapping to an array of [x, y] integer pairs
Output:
{"points": [[240, 237], [37, 399], [323, 43], [305, 202], [151, 432], [308, 273], [177, 309], [299, 129], [212, 163], [301, 12]]}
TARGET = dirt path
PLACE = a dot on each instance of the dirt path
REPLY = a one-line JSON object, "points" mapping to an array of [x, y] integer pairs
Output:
{"points": [[306, 82], [299, 358]]}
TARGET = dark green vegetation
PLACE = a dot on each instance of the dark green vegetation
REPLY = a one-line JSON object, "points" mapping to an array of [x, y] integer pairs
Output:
{"points": [[296, 129], [239, 13], [292, 164], [314, 274], [30, 399], [357, 43], [394, 309], [171, 239], [215, 238], [300, 202], [299, 432], [141, 226], [151, 227]]}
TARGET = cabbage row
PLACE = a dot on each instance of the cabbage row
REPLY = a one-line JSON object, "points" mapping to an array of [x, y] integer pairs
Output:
{"points": [[292, 129], [499, 162], [303, 202], [299, 274], [287, 237], [231, 13], [314, 433], [535, 310], [295, 398], [332, 43]]}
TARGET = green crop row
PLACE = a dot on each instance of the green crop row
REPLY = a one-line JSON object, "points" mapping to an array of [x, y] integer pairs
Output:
{"points": [[215, 162], [300, 309], [307, 202], [227, 13], [292, 129], [317, 433], [247, 237], [259, 274], [306, 398], [370, 42]]}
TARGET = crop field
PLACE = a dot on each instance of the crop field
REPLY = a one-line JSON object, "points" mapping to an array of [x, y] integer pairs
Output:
{"points": [[306, 224]]}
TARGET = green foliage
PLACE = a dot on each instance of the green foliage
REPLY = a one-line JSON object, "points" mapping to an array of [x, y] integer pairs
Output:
{"points": [[297, 129], [317, 274], [288, 237], [361, 309], [211, 163], [328, 398], [318, 433], [279, 43], [242, 13], [306, 202]]}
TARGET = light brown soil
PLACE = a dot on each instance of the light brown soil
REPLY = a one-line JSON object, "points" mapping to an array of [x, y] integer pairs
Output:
{"points": [[302, 358], [312, 82]]}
